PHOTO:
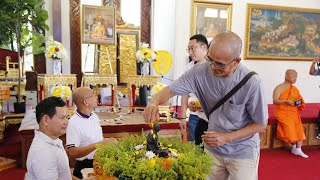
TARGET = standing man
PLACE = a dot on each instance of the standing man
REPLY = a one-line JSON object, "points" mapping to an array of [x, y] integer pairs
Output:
{"points": [[52, 117], [313, 71], [316, 72], [84, 130], [233, 131], [197, 49]]}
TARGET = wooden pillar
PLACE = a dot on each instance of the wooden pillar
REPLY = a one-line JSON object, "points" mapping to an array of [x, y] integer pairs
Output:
{"points": [[75, 39]]}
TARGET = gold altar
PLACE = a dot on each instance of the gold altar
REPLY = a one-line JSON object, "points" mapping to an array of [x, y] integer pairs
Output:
{"points": [[136, 80], [45, 81]]}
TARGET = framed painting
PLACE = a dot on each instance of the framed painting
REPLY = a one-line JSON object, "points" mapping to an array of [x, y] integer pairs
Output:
{"points": [[210, 18], [285, 33], [98, 24]]}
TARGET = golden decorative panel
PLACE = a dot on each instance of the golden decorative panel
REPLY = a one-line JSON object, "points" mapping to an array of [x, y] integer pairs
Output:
{"points": [[127, 46], [104, 67], [100, 79], [142, 80]]}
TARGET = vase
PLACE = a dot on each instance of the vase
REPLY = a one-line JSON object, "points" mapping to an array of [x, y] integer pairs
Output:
{"points": [[57, 66], [145, 69]]}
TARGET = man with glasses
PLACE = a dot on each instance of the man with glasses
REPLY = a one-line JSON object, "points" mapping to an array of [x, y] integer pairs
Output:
{"points": [[233, 131], [197, 123], [84, 130]]}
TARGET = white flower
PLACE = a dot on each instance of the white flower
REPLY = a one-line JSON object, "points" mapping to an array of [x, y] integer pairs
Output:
{"points": [[174, 154], [150, 154], [138, 147], [144, 45]]}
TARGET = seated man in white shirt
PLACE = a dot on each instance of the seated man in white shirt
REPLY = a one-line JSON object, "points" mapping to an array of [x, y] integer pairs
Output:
{"points": [[47, 158], [84, 130]]}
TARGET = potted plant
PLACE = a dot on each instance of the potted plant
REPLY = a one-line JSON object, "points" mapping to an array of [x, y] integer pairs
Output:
{"points": [[23, 23]]}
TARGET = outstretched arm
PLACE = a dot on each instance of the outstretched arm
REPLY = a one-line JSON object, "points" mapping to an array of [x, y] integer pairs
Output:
{"points": [[151, 112]]}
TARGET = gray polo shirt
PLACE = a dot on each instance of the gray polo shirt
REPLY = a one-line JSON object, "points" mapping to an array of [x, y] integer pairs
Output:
{"points": [[246, 106]]}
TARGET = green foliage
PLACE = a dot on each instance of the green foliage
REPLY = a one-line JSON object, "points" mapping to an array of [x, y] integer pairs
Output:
{"points": [[25, 18], [124, 162]]}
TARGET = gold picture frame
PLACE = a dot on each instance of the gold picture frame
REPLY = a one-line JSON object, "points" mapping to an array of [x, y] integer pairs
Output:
{"points": [[210, 18], [98, 24], [282, 33]]}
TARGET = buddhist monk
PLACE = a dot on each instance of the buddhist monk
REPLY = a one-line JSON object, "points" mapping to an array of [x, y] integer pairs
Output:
{"points": [[288, 102]]}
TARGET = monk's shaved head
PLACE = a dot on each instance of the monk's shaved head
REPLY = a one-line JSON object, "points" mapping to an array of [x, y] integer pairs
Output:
{"points": [[291, 71], [291, 76]]}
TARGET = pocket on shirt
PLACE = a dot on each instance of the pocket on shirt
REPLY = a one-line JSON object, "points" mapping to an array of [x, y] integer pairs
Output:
{"points": [[233, 112]]}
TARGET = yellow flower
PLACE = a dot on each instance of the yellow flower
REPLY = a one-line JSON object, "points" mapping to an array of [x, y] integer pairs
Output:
{"points": [[55, 50], [61, 91], [152, 163], [145, 54]]}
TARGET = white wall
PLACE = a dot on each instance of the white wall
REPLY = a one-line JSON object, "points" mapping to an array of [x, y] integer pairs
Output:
{"points": [[65, 33], [271, 71]]}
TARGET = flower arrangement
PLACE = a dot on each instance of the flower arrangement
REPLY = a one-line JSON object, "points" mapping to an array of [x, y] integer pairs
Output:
{"points": [[55, 50], [61, 91], [157, 88], [129, 159], [145, 54]]}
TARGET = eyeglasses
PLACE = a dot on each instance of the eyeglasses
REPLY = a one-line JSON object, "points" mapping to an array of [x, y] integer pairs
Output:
{"points": [[218, 65], [192, 48]]}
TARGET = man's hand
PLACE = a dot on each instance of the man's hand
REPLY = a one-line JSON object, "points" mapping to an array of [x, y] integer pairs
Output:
{"points": [[290, 102], [192, 106], [151, 113], [183, 124], [213, 138]]}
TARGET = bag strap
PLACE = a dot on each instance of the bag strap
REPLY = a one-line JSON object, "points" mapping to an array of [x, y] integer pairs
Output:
{"points": [[231, 93]]}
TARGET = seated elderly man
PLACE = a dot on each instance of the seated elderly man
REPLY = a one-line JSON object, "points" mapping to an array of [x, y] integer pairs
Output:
{"points": [[84, 130]]}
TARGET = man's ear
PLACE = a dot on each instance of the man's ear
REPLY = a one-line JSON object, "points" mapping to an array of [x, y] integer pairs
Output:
{"points": [[45, 119], [85, 102]]}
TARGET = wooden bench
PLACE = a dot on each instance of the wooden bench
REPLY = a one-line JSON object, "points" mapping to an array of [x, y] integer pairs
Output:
{"points": [[308, 118]]}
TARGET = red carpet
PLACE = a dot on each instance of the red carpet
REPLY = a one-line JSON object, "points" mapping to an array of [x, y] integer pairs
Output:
{"points": [[281, 164], [274, 165]]}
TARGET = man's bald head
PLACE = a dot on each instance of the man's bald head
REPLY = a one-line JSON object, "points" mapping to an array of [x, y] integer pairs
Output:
{"points": [[80, 94], [230, 41]]}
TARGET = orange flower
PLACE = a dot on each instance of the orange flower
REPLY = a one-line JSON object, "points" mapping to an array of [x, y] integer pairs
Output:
{"points": [[168, 163]]}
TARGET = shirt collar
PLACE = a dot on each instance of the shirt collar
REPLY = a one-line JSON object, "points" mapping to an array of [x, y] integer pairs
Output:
{"points": [[47, 139], [82, 114]]}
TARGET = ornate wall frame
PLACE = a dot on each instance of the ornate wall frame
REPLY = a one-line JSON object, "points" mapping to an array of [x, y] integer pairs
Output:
{"points": [[210, 18], [284, 33]]}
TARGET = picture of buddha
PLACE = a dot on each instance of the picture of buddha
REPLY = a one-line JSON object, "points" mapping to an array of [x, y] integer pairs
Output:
{"points": [[98, 25]]}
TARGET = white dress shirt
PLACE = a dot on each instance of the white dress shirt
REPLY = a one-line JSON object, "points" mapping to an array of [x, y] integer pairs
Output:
{"points": [[47, 159]]}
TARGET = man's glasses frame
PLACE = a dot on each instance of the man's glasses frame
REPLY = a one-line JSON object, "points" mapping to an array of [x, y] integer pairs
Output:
{"points": [[219, 65]]}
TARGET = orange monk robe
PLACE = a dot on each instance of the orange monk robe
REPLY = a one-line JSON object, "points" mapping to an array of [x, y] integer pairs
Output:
{"points": [[289, 127]]}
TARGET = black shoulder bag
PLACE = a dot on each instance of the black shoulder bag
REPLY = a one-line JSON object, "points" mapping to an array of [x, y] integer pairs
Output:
{"points": [[231, 93]]}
